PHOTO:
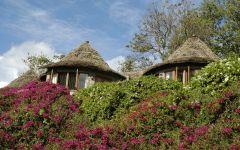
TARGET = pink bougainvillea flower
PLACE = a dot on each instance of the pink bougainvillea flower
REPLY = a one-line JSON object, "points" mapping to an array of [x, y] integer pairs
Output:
{"points": [[228, 94], [178, 123], [181, 146], [237, 110], [201, 130], [221, 100], [38, 146], [39, 133], [234, 147], [227, 130], [28, 124], [173, 107], [191, 138]]}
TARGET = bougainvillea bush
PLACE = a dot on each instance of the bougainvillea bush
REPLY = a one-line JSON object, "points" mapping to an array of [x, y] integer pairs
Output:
{"points": [[164, 121], [34, 115], [144, 113]]}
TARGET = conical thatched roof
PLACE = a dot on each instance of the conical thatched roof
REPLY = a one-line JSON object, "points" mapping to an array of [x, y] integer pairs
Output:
{"points": [[193, 49], [84, 56]]}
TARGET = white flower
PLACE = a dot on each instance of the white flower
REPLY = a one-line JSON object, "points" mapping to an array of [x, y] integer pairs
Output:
{"points": [[226, 79]]}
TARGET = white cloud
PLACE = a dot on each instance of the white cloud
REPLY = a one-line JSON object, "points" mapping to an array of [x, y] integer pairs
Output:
{"points": [[115, 62], [11, 62], [3, 84], [42, 25]]}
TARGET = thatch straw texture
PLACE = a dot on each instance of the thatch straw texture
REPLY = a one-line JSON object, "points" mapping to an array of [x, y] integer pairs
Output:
{"points": [[84, 56], [192, 49]]}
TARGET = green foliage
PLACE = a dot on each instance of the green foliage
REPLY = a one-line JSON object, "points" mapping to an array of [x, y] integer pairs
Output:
{"points": [[198, 121], [136, 62], [34, 62], [106, 100], [167, 26], [217, 75], [158, 26], [189, 25], [144, 113]]}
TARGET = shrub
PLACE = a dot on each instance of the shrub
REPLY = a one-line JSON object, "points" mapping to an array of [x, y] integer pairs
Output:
{"points": [[106, 100], [217, 75], [144, 113], [163, 121], [34, 115]]}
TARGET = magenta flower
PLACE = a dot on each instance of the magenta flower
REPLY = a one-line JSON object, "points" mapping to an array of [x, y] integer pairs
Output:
{"points": [[39, 133], [28, 124], [227, 130], [173, 107], [234, 147], [228, 94], [134, 140], [221, 100], [237, 110], [181, 146], [191, 138], [38, 146], [201, 131], [73, 107]]}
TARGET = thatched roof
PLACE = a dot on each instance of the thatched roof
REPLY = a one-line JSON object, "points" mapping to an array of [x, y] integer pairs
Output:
{"points": [[23, 79], [193, 49], [84, 56]]}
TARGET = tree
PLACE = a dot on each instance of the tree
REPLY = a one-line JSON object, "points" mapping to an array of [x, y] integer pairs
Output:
{"points": [[167, 26], [35, 62], [192, 24], [158, 27], [135, 63], [231, 28], [216, 22], [128, 65]]}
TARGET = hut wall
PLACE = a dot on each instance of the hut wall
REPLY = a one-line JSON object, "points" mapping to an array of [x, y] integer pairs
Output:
{"points": [[180, 72], [76, 78], [89, 81], [104, 78]]}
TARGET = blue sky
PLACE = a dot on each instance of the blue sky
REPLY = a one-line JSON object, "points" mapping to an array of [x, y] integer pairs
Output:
{"points": [[64, 24], [58, 26]]}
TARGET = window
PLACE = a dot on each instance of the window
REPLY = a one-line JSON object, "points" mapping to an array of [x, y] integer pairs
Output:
{"points": [[161, 75], [169, 75], [72, 81], [180, 75], [54, 78], [82, 81], [62, 78]]}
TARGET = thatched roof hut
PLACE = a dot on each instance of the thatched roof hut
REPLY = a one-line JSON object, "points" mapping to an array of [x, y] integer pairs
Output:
{"points": [[191, 56], [86, 60]]}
